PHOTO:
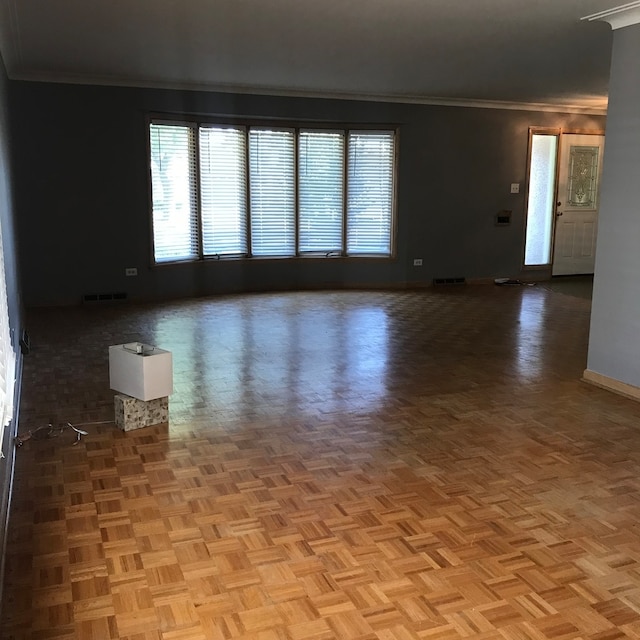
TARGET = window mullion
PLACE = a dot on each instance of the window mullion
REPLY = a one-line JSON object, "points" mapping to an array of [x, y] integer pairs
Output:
{"points": [[296, 190], [198, 194], [345, 191], [248, 189]]}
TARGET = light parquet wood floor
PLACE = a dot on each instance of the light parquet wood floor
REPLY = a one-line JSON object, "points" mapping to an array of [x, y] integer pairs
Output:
{"points": [[363, 465]]}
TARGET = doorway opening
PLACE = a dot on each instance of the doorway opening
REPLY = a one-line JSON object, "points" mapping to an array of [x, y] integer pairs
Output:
{"points": [[563, 200]]}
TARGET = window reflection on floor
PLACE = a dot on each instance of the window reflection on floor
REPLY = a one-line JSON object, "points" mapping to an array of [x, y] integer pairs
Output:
{"points": [[244, 358], [529, 335]]}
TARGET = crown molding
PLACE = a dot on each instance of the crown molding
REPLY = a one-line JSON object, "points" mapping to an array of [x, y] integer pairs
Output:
{"points": [[596, 106], [10, 35], [618, 17]]}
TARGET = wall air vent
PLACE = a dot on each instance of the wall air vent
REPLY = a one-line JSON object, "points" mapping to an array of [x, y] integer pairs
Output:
{"points": [[441, 281], [104, 297]]}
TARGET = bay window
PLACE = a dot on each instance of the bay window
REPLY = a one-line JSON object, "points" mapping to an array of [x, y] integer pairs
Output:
{"points": [[222, 190]]}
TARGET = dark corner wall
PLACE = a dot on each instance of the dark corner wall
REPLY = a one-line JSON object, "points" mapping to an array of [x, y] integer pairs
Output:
{"points": [[82, 193], [8, 248]]}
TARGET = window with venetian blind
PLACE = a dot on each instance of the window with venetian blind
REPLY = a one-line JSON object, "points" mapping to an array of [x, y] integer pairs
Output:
{"points": [[7, 354], [221, 190]]}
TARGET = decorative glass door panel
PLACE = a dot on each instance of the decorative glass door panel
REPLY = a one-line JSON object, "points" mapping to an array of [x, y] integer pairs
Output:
{"points": [[580, 168]]}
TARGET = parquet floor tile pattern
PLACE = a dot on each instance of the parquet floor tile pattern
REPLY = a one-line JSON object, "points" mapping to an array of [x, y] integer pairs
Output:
{"points": [[366, 465]]}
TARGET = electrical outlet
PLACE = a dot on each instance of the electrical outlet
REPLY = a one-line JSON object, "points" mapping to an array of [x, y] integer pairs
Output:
{"points": [[515, 187], [417, 262], [130, 271]]}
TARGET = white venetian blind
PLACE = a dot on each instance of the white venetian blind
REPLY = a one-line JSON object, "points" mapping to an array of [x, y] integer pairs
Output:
{"points": [[320, 190], [173, 180], [370, 192], [223, 190], [272, 191]]}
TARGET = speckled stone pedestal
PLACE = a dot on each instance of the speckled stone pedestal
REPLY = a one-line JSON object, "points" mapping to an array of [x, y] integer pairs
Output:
{"points": [[132, 413]]}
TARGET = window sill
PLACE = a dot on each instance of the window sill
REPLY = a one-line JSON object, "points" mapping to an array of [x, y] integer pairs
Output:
{"points": [[263, 259]]}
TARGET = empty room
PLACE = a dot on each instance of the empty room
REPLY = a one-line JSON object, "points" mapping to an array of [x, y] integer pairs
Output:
{"points": [[319, 320]]}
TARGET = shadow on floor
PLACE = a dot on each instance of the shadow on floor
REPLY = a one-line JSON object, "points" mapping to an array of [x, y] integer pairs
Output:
{"points": [[576, 286]]}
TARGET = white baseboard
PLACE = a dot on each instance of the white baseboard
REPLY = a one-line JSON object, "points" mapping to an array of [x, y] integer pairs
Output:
{"points": [[611, 384]]}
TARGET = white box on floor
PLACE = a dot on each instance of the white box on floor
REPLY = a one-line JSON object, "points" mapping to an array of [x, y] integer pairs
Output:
{"points": [[141, 370]]}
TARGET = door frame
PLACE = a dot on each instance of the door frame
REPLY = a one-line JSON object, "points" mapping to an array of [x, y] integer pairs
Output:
{"points": [[558, 132]]}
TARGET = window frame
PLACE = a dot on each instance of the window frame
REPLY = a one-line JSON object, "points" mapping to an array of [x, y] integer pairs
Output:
{"points": [[196, 122], [194, 197]]}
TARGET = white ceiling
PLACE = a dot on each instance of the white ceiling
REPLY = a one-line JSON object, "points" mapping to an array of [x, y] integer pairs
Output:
{"points": [[516, 51]]}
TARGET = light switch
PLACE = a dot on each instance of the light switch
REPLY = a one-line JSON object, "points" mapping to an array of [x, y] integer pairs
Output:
{"points": [[515, 187]]}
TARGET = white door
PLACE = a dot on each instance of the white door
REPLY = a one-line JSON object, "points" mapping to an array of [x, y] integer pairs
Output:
{"points": [[580, 168]]}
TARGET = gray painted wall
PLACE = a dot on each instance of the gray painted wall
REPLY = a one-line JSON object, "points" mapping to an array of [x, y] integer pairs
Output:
{"points": [[614, 343], [82, 193]]}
